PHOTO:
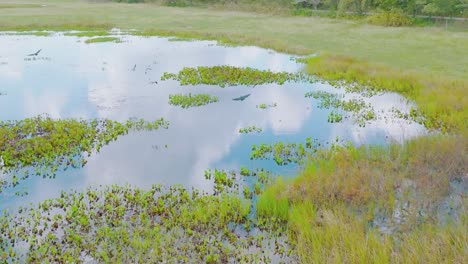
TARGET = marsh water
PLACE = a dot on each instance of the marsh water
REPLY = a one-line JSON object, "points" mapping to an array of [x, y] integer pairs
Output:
{"points": [[70, 78]]}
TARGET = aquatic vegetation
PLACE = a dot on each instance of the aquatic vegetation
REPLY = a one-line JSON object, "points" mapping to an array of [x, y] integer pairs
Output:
{"points": [[265, 106], [360, 111], [103, 39], [231, 181], [285, 153], [186, 101], [232, 76], [335, 117], [392, 199], [133, 225], [42, 145], [88, 33], [250, 129], [441, 101]]}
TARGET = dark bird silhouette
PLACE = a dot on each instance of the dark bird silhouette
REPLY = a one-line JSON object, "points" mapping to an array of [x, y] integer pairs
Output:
{"points": [[35, 54], [241, 98], [134, 68]]}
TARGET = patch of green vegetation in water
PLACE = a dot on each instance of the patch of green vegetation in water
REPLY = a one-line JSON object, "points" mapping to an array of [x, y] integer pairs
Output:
{"points": [[29, 33], [87, 33], [175, 39], [47, 144], [123, 223], [232, 76], [186, 101], [103, 39], [250, 129], [284, 153], [360, 111], [265, 106], [231, 181]]}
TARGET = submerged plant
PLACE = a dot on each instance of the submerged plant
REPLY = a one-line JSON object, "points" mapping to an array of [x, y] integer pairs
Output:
{"points": [[233, 76], [186, 101]]}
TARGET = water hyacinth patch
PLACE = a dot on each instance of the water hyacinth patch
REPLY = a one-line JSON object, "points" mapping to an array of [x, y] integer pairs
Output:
{"points": [[361, 111], [123, 223], [284, 153], [186, 101], [232, 76], [250, 129], [48, 144], [103, 39]]}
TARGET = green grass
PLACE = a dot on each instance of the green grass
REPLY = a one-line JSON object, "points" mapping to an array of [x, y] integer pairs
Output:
{"points": [[102, 39], [332, 209], [8, 5], [441, 100], [428, 50]]}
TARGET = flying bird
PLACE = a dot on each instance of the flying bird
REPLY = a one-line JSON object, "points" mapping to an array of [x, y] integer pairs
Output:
{"points": [[241, 98], [35, 54], [134, 68]]}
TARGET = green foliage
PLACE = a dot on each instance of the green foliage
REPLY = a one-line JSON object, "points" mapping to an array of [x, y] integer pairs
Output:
{"points": [[103, 39], [360, 111], [131, 225], [250, 129], [285, 153], [264, 106], [441, 102], [393, 18], [88, 33], [380, 203], [47, 144], [186, 101], [232, 76]]}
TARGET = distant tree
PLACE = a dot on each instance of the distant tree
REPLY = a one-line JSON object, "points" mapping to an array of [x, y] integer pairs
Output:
{"points": [[307, 3]]}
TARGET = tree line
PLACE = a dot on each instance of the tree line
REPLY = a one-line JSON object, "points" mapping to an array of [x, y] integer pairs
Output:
{"points": [[451, 8]]}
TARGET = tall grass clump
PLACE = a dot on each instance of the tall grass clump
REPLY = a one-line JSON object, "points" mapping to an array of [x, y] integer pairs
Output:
{"points": [[272, 204], [441, 101], [377, 204]]}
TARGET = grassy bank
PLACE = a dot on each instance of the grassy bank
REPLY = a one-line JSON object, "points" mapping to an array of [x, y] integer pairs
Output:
{"points": [[378, 204], [428, 50]]}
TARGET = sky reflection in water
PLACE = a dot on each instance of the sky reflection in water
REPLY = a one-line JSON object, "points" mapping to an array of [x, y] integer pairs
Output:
{"points": [[72, 79]]}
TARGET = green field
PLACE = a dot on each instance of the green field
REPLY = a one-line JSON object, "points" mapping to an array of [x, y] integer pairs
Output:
{"points": [[430, 50], [327, 208]]}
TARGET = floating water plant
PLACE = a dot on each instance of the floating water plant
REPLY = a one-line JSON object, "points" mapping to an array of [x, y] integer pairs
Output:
{"points": [[285, 153], [233, 76], [186, 101], [87, 33], [133, 225], [334, 117], [360, 110], [265, 106], [250, 129], [103, 39], [41, 145]]}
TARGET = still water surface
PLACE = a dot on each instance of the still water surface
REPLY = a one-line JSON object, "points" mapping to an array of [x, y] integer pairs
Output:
{"points": [[70, 78]]}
